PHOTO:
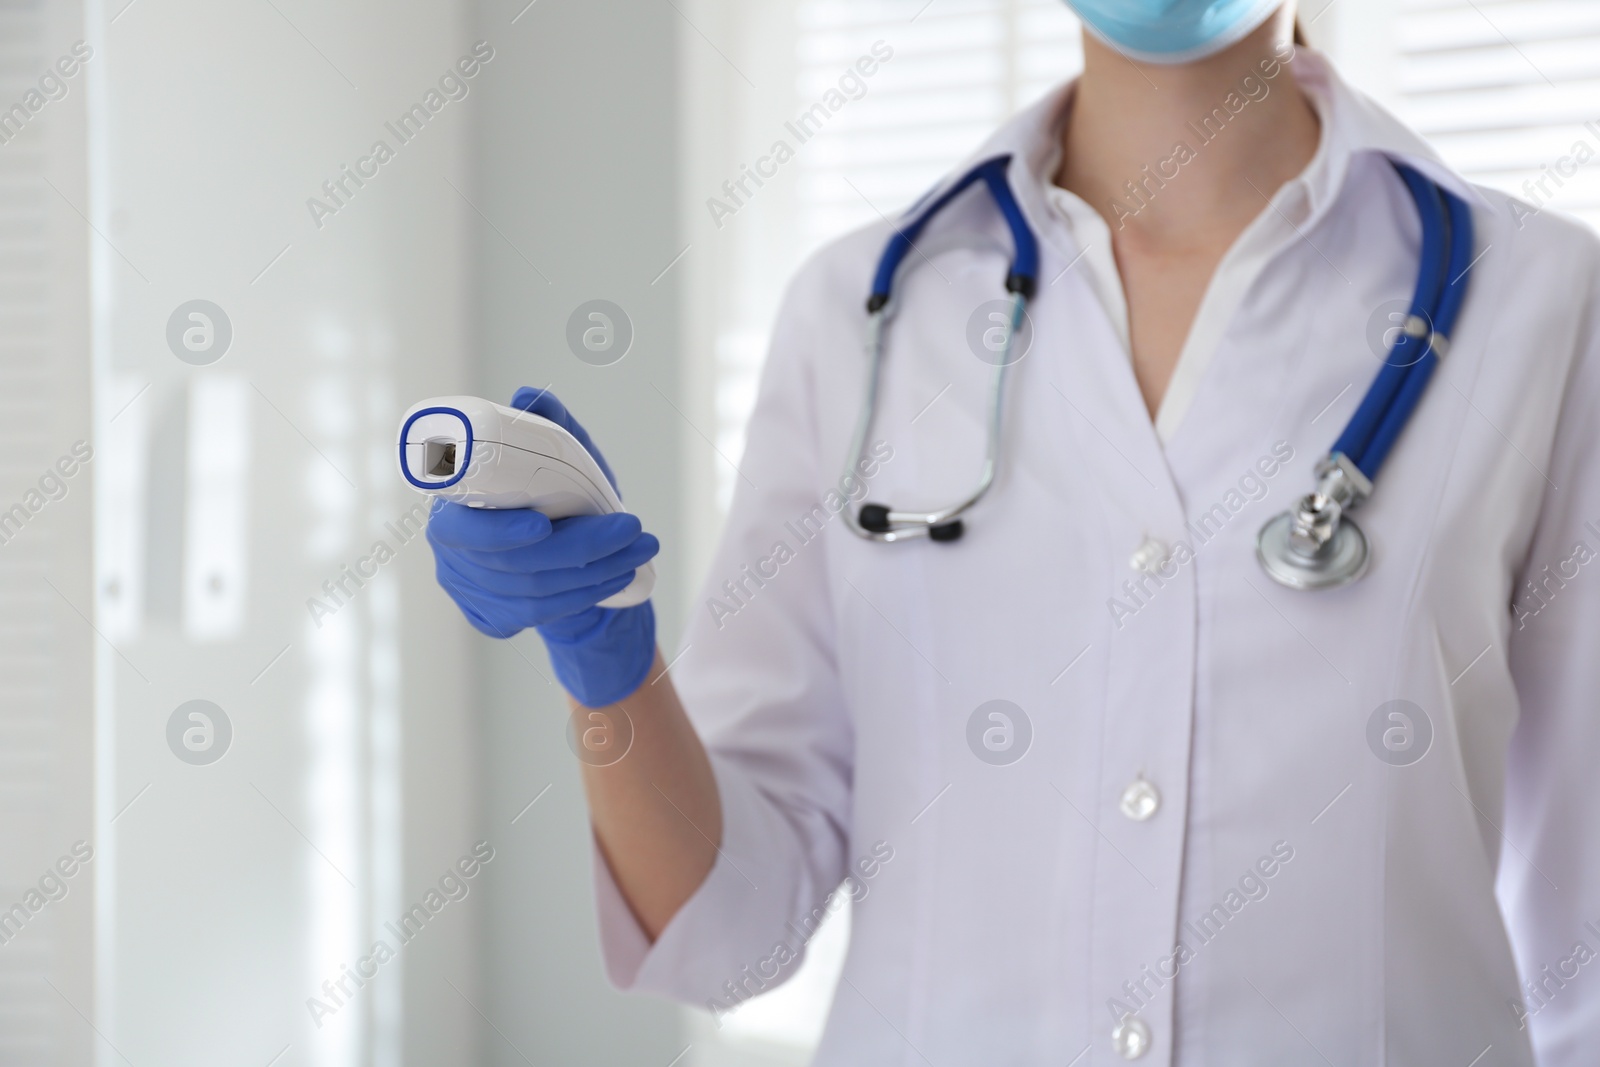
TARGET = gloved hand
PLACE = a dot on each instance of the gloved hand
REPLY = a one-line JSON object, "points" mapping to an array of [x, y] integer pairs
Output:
{"points": [[513, 568]]}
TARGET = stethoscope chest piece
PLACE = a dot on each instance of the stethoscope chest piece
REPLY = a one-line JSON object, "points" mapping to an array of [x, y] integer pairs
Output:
{"points": [[1298, 564], [1315, 545]]}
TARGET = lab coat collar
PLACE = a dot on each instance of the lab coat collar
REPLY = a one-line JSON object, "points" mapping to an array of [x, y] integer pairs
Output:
{"points": [[1352, 125]]}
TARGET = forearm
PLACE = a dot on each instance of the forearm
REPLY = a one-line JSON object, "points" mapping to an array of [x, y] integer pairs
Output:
{"points": [[655, 811]]}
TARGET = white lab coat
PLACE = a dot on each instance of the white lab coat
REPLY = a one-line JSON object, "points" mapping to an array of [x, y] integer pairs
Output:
{"points": [[1293, 898]]}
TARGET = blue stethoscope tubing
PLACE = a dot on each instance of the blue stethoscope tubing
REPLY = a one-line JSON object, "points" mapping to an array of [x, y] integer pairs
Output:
{"points": [[1315, 544], [877, 522], [1447, 241], [1345, 476], [1023, 277]]}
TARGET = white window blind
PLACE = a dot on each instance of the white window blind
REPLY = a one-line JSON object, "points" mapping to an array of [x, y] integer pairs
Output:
{"points": [[28, 1010], [959, 68], [1509, 92], [47, 653]]}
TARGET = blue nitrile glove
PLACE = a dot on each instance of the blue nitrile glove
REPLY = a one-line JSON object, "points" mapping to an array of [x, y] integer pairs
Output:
{"points": [[511, 569]]}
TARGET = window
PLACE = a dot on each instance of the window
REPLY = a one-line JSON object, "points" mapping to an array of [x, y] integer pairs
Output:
{"points": [[48, 471], [256, 553], [1509, 93]]}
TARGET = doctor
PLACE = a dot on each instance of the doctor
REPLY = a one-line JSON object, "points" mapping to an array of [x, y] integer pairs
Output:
{"points": [[1103, 789]]}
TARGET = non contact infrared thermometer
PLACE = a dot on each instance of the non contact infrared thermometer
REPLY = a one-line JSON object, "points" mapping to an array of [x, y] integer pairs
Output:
{"points": [[485, 455]]}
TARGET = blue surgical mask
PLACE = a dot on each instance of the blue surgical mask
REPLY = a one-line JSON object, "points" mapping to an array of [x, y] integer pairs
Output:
{"points": [[1172, 31]]}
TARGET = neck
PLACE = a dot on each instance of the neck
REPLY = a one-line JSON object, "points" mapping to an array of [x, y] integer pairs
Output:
{"points": [[1204, 144]]}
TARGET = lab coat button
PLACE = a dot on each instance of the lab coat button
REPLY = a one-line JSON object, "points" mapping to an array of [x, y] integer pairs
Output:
{"points": [[1148, 555], [1140, 800], [1131, 1038]]}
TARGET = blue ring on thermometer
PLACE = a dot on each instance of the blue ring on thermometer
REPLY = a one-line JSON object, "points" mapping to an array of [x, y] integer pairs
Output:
{"points": [[462, 462]]}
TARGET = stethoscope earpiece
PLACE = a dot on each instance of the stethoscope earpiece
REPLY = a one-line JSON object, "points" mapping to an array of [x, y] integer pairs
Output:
{"points": [[877, 522], [879, 519], [874, 517]]}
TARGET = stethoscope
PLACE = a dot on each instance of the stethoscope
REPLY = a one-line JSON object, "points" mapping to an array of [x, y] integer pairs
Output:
{"points": [[1315, 544]]}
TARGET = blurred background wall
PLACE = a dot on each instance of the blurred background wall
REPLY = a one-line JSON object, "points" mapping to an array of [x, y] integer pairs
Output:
{"points": [[376, 203], [577, 156], [256, 333]]}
